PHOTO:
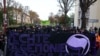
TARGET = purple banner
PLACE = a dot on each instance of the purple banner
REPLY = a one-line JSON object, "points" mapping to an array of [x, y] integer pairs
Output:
{"points": [[33, 45], [54, 44]]}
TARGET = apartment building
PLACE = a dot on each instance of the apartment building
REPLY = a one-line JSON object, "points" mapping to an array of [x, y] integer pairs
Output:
{"points": [[21, 16]]}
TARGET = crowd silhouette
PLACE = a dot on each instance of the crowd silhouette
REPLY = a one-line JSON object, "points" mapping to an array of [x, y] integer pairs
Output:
{"points": [[93, 33]]}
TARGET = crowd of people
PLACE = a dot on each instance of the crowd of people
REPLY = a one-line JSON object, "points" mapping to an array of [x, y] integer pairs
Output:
{"points": [[48, 29], [95, 33]]}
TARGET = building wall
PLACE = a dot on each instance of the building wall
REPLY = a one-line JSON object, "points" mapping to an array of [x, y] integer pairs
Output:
{"points": [[26, 18], [77, 14], [93, 14], [77, 9]]}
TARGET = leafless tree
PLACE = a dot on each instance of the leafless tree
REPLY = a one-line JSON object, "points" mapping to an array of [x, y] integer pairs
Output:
{"points": [[9, 10], [22, 13], [65, 7], [15, 7], [33, 16], [84, 5], [51, 18]]}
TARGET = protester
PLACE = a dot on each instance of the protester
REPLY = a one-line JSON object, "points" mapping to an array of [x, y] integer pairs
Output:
{"points": [[58, 32], [2, 44], [98, 39]]}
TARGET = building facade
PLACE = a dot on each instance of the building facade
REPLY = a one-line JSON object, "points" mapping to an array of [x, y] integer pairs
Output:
{"points": [[21, 16], [93, 15]]}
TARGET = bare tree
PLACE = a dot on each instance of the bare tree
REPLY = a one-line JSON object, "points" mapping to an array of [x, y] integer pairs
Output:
{"points": [[10, 3], [37, 21], [61, 19], [25, 13], [22, 13], [65, 7], [15, 7], [9, 10], [57, 19], [33, 16], [84, 5], [51, 18]]}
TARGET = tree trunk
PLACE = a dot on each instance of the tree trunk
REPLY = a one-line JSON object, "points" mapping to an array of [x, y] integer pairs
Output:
{"points": [[8, 19], [16, 17], [66, 20], [83, 20], [31, 20], [22, 19]]}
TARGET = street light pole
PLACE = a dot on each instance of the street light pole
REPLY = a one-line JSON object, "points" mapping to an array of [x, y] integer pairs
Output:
{"points": [[4, 2], [4, 17], [5, 25]]}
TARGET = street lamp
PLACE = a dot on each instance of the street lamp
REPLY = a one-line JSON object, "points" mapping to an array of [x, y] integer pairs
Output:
{"points": [[4, 16]]}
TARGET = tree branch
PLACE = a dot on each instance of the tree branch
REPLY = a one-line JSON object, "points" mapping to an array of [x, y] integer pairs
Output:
{"points": [[91, 2], [60, 4], [71, 4]]}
